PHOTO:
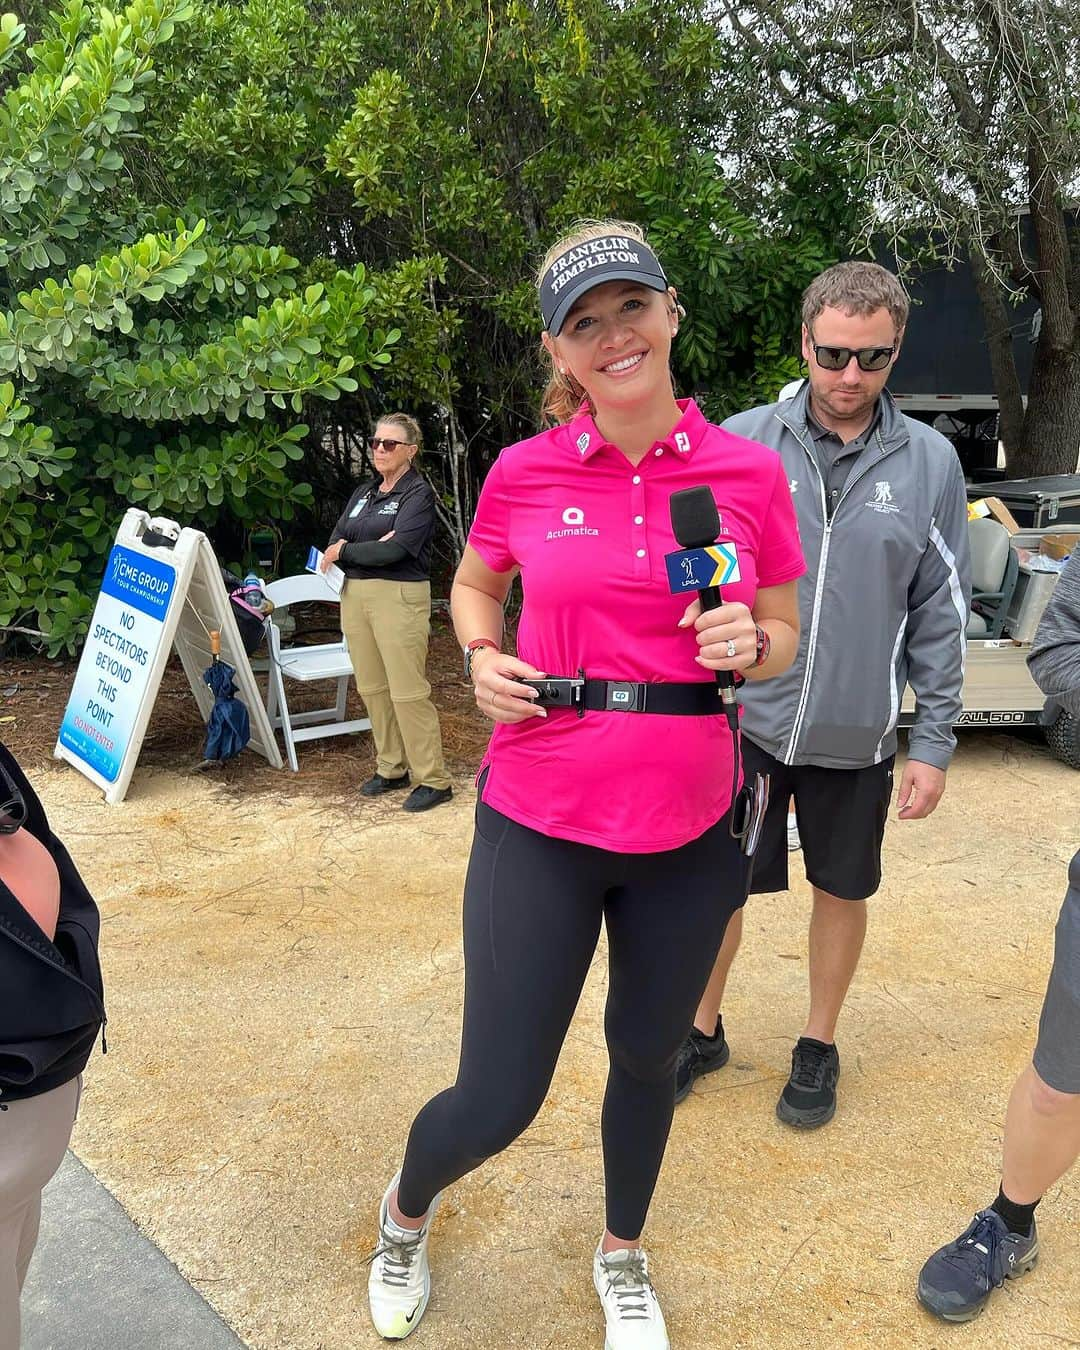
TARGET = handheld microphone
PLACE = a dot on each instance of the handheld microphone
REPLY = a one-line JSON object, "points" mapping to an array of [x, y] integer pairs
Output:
{"points": [[695, 523]]}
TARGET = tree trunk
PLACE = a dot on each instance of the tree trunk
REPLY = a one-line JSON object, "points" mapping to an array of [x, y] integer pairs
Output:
{"points": [[1050, 442], [1010, 393]]}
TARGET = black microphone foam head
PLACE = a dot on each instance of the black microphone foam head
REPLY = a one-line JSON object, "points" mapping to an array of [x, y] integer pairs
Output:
{"points": [[695, 521]]}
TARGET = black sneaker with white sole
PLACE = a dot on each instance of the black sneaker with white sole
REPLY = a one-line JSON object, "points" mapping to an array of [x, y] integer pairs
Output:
{"points": [[809, 1096], [699, 1055]]}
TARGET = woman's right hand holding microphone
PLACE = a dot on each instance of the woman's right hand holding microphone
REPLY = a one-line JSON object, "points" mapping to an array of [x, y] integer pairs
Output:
{"points": [[500, 694]]}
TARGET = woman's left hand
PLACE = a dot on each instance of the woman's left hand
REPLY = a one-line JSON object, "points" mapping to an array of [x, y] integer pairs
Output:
{"points": [[726, 636], [331, 554]]}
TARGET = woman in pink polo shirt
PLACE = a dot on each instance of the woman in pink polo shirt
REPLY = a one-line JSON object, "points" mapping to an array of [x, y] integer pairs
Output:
{"points": [[616, 809]]}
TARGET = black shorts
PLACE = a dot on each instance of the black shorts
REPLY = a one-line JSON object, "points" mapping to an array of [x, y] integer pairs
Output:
{"points": [[841, 815]]}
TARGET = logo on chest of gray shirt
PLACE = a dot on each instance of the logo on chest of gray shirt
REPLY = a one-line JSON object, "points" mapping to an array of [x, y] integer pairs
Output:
{"points": [[883, 501]]}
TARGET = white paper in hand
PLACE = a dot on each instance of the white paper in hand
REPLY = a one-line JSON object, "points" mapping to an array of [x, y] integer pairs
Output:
{"points": [[335, 577]]}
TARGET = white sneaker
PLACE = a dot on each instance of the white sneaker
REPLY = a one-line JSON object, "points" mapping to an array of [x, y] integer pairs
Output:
{"points": [[633, 1316], [399, 1283], [793, 841]]}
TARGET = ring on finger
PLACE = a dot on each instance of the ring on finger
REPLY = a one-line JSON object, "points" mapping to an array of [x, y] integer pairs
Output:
{"points": [[493, 694], [731, 648]]}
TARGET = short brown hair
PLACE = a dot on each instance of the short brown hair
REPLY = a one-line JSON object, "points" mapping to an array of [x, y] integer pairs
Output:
{"points": [[856, 288], [407, 424]]}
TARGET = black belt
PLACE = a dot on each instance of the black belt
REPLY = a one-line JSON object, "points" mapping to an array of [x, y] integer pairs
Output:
{"points": [[699, 699]]}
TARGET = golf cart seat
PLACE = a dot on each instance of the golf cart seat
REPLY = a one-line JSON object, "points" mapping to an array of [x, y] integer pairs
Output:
{"points": [[994, 570]]}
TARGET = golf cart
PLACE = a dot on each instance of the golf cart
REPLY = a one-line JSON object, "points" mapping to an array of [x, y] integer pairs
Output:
{"points": [[1008, 602]]}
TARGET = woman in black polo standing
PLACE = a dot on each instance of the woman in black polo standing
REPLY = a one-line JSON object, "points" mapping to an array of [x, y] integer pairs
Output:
{"points": [[382, 543]]}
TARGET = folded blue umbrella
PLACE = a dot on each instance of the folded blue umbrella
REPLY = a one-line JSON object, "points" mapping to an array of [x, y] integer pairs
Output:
{"points": [[228, 728]]}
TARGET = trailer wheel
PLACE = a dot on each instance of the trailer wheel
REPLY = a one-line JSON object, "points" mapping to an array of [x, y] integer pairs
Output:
{"points": [[1063, 737]]}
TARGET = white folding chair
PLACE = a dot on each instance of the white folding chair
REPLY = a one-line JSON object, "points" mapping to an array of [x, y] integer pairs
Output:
{"points": [[327, 661]]}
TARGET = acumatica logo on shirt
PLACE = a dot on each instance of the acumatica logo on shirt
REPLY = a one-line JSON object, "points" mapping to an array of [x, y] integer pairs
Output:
{"points": [[573, 519]]}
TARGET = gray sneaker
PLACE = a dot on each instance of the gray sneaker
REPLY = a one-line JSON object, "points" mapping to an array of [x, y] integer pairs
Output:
{"points": [[957, 1281]]}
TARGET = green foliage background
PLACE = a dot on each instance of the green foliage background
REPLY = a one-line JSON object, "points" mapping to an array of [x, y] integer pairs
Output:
{"points": [[231, 234]]}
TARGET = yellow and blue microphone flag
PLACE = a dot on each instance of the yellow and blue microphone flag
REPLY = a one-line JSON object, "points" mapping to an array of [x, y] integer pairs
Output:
{"points": [[693, 569]]}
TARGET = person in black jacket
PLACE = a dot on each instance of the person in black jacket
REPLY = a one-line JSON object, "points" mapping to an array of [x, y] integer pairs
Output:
{"points": [[51, 1010], [383, 545]]}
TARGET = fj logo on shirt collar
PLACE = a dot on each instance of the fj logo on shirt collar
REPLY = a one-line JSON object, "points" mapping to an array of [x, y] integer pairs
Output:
{"points": [[682, 442]]}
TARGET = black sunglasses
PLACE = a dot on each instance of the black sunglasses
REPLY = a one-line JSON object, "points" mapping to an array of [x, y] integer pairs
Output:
{"points": [[387, 443], [12, 806], [837, 358]]}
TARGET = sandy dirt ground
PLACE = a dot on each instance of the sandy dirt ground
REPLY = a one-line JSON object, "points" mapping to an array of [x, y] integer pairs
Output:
{"points": [[284, 978]]}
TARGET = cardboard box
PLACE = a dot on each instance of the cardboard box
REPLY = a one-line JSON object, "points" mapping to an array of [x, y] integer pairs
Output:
{"points": [[993, 506], [1057, 545]]}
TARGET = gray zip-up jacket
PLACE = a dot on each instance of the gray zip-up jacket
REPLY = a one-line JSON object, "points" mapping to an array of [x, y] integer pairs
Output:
{"points": [[884, 601], [1054, 661], [1055, 655]]}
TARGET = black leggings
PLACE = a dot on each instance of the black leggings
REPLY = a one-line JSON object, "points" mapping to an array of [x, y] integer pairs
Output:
{"points": [[532, 915]]}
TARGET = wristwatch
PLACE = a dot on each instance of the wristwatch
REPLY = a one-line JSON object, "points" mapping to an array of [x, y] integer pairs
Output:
{"points": [[764, 645], [471, 648]]}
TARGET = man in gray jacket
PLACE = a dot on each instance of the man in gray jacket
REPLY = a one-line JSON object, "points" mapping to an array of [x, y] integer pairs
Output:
{"points": [[1042, 1123], [882, 511]]}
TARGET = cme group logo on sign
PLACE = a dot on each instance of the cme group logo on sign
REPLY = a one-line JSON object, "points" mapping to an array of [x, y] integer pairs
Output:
{"points": [[139, 581]]}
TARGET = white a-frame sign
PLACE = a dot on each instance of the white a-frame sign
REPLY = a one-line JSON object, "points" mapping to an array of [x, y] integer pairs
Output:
{"points": [[153, 596]]}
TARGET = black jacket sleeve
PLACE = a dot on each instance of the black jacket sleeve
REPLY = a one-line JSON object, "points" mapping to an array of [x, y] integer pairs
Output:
{"points": [[378, 553], [415, 521]]}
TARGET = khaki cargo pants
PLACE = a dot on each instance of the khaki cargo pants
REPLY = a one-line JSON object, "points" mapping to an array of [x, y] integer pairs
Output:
{"points": [[386, 625]]}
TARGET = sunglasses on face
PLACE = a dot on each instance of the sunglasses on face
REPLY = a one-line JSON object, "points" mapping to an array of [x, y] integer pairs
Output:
{"points": [[837, 358], [387, 442], [12, 805]]}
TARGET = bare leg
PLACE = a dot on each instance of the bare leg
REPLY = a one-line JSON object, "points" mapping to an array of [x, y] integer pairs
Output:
{"points": [[837, 930], [1042, 1138], [709, 1007], [403, 1220]]}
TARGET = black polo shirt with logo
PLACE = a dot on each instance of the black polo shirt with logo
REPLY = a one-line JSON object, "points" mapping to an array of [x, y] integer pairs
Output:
{"points": [[408, 509]]}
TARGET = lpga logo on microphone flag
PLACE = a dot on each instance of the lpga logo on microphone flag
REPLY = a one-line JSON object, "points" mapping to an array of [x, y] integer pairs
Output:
{"points": [[692, 569]]}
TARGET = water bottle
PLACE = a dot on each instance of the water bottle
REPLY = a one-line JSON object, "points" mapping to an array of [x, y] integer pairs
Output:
{"points": [[253, 594]]}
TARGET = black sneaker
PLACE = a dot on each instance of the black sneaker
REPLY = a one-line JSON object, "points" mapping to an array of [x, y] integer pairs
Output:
{"points": [[957, 1281], [423, 798], [376, 785], [809, 1096], [700, 1054]]}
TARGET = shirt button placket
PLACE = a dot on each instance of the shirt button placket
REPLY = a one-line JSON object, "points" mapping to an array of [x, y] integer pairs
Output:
{"points": [[637, 529]]}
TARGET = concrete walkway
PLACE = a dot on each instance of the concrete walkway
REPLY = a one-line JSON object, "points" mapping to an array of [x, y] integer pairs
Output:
{"points": [[97, 1284]]}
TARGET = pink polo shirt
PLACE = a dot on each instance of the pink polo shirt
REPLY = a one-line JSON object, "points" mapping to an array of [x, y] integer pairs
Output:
{"points": [[589, 531]]}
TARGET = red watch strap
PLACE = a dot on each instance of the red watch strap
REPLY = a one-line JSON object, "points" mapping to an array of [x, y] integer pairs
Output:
{"points": [[477, 645]]}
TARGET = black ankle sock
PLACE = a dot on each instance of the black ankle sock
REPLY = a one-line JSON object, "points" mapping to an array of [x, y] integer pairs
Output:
{"points": [[718, 1031], [1017, 1218]]}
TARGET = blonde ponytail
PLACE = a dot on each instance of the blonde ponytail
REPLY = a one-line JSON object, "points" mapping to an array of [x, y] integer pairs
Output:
{"points": [[562, 397]]}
